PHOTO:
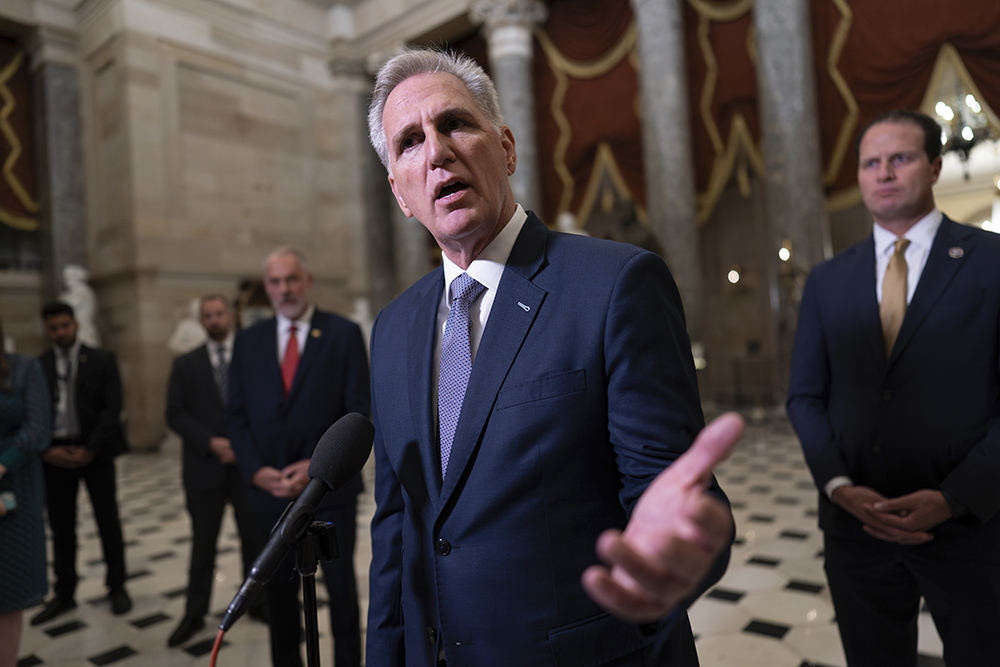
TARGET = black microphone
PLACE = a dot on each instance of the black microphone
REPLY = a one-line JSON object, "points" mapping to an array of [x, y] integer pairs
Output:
{"points": [[339, 455]]}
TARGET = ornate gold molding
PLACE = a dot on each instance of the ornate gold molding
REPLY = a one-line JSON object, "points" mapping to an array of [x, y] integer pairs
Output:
{"points": [[848, 126], [10, 104], [563, 69]]}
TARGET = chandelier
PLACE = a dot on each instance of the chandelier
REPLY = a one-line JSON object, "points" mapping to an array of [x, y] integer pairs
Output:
{"points": [[964, 125]]}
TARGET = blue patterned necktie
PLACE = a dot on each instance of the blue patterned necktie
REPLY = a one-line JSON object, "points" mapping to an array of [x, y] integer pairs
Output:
{"points": [[456, 361]]}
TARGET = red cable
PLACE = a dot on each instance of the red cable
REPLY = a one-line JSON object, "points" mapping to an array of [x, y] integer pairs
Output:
{"points": [[216, 646]]}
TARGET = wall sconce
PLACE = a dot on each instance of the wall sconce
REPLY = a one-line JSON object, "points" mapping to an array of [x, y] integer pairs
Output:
{"points": [[734, 274]]}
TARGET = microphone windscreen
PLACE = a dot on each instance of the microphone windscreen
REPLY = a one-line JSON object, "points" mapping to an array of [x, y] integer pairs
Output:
{"points": [[342, 451]]}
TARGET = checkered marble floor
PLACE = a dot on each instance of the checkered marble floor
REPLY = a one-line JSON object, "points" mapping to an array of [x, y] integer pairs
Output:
{"points": [[771, 609]]}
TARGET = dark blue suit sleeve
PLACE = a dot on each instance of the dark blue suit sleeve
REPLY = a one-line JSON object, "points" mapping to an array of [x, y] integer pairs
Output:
{"points": [[654, 410], [357, 386], [237, 420], [179, 416], [385, 616], [809, 391]]}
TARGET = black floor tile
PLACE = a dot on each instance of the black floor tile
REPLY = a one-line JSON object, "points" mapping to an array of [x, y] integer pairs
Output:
{"points": [[65, 629], [113, 656], [804, 587], [29, 661], [763, 560], [203, 647], [767, 629], [793, 535], [148, 621], [725, 595]]}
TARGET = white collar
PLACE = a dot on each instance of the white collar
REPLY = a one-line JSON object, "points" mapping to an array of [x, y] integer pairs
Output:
{"points": [[921, 234], [304, 320], [487, 268]]}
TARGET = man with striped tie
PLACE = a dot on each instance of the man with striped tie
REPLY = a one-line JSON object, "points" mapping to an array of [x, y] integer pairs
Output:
{"points": [[196, 410]]}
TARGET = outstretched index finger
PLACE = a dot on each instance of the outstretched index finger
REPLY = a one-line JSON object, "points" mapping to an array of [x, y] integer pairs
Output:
{"points": [[712, 446]]}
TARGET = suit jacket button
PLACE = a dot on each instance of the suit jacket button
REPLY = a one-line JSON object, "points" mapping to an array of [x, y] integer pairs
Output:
{"points": [[886, 395], [443, 547], [432, 635]]}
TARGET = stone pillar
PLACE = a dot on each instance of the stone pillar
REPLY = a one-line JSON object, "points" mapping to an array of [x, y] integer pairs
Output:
{"points": [[61, 184], [795, 205], [350, 74], [507, 25], [667, 152]]}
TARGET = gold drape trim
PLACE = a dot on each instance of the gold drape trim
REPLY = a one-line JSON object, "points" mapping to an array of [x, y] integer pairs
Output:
{"points": [[605, 163], [563, 68], [726, 154], [721, 11], [847, 127], [949, 58], [740, 143], [10, 104]]}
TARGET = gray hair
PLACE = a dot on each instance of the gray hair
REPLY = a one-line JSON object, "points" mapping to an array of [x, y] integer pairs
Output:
{"points": [[428, 61], [282, 250]]}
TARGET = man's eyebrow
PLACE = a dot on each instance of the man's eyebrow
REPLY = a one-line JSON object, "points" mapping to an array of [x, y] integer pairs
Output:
{"points": [[442, 115]]}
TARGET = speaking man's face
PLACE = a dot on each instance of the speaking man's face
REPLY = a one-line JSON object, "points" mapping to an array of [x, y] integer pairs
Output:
{"points": [[449, 166]]}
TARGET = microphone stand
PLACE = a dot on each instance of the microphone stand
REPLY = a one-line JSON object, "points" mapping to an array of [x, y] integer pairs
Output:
{"points": [[318, 543]]}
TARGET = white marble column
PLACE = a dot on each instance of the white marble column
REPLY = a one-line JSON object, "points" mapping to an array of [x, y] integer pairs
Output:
{"points": [[795, 204], [667, 152], [507, 25]]}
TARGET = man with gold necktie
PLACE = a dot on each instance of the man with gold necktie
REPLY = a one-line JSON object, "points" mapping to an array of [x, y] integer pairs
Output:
{"points": [[291, 377], [895, 396]]}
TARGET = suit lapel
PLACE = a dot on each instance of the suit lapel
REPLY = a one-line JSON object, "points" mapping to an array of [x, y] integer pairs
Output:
{"points": [[269, 354], [514, 310], [859, 286], [420, 361], [941, 267]]}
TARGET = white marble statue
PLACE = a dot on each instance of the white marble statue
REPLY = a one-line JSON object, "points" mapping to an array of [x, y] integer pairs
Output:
{"points": [[188, 334], [78, 294]]}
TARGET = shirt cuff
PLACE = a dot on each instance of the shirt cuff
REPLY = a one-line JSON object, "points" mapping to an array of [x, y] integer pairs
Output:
{"points": [[835, 484]]}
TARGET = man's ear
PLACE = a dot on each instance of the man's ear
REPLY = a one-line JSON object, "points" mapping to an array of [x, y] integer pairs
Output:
{"points": [[507, 140], [936, 168], [399, 200]]}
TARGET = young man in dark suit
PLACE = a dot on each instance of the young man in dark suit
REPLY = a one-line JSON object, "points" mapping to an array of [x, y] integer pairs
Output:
{"points": [[895, 395], [536, 390], [291, 378], [87, 436], [196, 410]]}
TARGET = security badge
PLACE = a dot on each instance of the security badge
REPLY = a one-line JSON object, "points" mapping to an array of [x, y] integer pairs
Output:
{"points": [[956, 252]]}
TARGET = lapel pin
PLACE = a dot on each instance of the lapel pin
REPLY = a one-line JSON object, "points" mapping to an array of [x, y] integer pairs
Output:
{"points": [[82, 358], [956, 252], [316, 333], [524, 307]]}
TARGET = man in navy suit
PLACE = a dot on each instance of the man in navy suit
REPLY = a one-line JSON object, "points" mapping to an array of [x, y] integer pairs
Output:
{"points": [[196, 410], [895, 395], [86, 437], [580, 390], [292, 376]]}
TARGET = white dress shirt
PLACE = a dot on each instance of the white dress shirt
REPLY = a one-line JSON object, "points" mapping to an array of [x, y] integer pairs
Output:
{"points": [[302, 326]]}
